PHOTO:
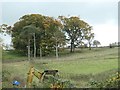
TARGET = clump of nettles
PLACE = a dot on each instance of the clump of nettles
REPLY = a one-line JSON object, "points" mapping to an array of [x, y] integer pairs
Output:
{"points": [[47, 83], [112, 82]]}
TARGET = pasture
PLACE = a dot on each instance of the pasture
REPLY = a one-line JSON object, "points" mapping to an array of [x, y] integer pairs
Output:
{"points": [[79, 68]]}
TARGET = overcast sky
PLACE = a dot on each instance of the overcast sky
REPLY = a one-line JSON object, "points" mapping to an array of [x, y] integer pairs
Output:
{"points": [[101, 14]]}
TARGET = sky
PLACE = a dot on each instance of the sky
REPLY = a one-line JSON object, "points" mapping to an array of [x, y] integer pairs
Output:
{"points": [[101, 14]]}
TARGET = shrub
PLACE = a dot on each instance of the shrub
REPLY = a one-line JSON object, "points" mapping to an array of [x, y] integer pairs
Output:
{"points": [[111, 82]]}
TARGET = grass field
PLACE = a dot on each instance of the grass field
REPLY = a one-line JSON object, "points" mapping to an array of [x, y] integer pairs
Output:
{"points": [[79, 67]]}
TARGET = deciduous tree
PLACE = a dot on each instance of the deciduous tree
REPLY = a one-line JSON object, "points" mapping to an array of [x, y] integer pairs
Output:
{"points": [[96, 43], [76, 30]]}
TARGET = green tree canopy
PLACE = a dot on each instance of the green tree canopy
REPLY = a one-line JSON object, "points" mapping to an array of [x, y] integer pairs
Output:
{"points": [[76, 30], [46, 27], [96, 43]]}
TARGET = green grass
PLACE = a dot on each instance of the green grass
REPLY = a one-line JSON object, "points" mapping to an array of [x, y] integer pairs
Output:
{"points": [[79, 67], [12, 56], [84, 67]]}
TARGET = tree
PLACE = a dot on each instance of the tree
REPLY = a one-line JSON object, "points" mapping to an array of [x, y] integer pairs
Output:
{"points": [[58, 36], [96, 43], [26, 21], [115, 44], [4, 29], [1, 41], [89, 37], [75, 30], [53, 29], [59, 40], [28, 32], [42, 37]]}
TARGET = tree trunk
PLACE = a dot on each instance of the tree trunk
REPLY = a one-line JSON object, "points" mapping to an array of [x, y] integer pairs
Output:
{"points": [[89, 46], [96, 46], [56, 50], [40, 52], [34, 46], [72, 46], [28, 49]]}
